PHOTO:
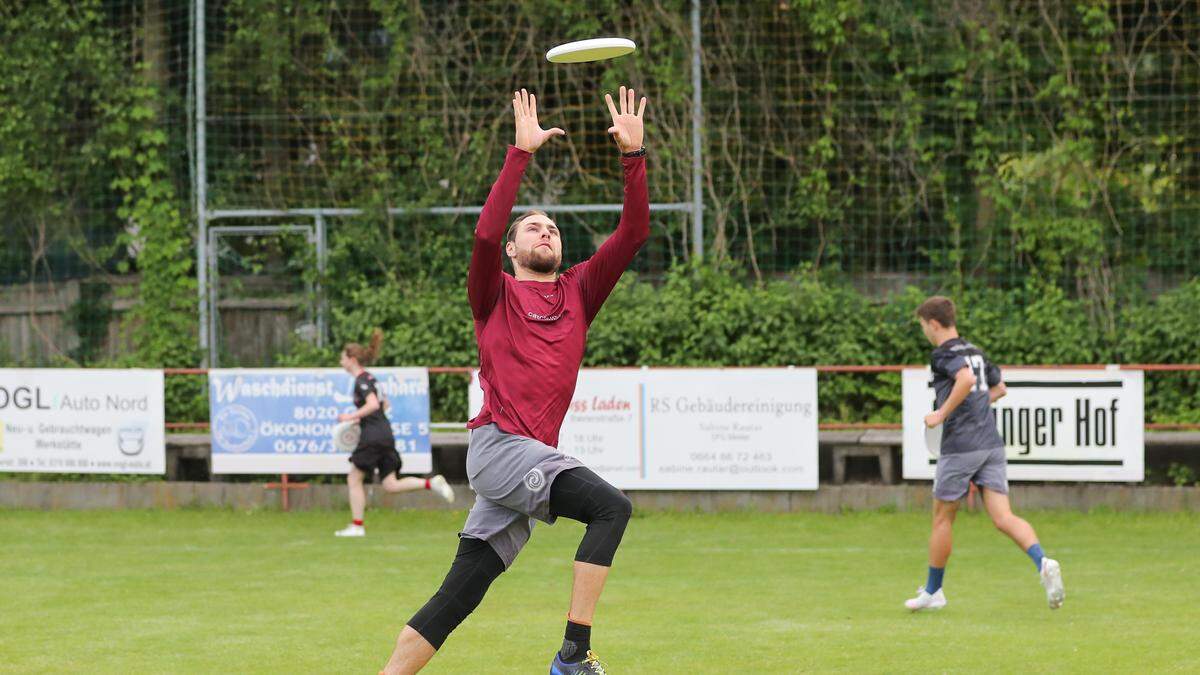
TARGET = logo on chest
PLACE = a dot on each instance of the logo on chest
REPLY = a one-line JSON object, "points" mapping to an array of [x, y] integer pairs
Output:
{"points": [[550, 306]]}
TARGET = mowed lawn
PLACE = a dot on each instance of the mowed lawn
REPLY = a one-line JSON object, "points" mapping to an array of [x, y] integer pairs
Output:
{"points": [[233, 592]]}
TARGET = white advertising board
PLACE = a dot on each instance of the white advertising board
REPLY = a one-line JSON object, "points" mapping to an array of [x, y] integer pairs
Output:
{"points": [[77, 420], [1069, 425], [693, 429]]}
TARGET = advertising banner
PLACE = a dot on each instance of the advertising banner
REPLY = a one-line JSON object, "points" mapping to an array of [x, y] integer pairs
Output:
{"points": [[1070, 425], [693, 429], [280, 420], [78, 420]]}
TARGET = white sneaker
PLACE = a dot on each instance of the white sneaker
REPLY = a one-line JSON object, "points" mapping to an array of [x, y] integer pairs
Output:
{"points": [[926, 601], [439, 485], [1052, 581], [351, 530]]}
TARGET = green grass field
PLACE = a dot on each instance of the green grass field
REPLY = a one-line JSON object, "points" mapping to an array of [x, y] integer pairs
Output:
{"points": [[232, 592]]}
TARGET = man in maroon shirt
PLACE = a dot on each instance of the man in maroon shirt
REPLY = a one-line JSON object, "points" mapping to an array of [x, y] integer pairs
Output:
{"points": [[531, 327]]}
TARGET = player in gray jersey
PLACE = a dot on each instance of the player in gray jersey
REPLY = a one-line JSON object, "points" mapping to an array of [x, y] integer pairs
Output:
{"points": [[966, 385]]}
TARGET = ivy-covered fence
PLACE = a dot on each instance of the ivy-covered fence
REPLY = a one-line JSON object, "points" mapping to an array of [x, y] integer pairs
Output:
{"points": [[1036, 160]]}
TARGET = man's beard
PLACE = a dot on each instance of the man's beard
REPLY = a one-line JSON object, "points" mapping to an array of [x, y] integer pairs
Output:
{"points": [[539, 262]]}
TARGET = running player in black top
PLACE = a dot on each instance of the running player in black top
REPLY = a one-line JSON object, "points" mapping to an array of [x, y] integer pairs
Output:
{"points": [[376, 444], [966, 385]]}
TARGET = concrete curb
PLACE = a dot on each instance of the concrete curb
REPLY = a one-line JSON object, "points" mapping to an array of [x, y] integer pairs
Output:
{"points": [[51, 496]]}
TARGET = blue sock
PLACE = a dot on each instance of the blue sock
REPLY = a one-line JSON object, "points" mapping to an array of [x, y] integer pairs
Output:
{"points": [[935, 579], [1035, 554]]}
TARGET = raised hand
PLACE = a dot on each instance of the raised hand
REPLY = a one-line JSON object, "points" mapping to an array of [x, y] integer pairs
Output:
{"points": [[626, 126], [530, 135]]}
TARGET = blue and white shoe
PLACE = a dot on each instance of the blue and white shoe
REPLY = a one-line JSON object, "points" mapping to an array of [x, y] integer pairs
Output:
{"points": [[590, 665]]}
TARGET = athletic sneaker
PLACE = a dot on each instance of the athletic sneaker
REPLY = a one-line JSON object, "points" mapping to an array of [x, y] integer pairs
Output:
{"points": [[1053, 583], [439, 485], [926, 601], [589, 666], [351, 530]]}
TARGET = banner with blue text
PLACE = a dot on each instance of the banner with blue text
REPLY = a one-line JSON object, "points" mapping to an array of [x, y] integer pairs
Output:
{"points": [[281, 420]]}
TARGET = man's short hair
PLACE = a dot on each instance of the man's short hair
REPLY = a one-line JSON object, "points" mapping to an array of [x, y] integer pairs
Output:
{"points": [[938, 308], [512, 229]]}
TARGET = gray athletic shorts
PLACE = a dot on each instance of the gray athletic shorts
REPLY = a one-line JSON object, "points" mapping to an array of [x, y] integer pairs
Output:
{"points": [[511, 476], [955, 473]]}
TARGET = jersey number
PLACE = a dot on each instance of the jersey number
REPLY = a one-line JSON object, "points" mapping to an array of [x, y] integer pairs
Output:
{"points": [[975, 361]]}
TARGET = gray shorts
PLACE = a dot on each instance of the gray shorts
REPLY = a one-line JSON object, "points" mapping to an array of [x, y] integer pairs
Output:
{"points": [[955, 473], [511, 476]]}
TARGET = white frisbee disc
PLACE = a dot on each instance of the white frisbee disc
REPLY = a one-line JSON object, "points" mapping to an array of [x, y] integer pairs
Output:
{"points": [[933, 440], [346, 435], [596, 49]]}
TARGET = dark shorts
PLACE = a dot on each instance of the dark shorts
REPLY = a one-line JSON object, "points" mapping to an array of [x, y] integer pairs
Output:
{"points": [[511, 476], [380, 456], [955, 473]]}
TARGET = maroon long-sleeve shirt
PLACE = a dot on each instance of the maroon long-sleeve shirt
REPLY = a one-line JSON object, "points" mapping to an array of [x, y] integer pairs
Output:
{"points": [[532, 334]]}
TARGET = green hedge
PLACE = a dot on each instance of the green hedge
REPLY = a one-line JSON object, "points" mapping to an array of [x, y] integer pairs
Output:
{"points": [[700, 316]]}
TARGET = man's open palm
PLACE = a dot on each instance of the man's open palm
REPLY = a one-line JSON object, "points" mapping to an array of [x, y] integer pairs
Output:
{"points": [[626, 129], [530, 135]]}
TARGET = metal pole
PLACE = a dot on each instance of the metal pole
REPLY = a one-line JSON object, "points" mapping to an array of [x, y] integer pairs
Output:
{"points": [[221, 214], [697, 121], [310, 286], [320, 223], [214, 317], [201, 182]]}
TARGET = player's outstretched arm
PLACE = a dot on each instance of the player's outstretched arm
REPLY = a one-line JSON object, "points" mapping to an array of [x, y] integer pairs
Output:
{"points": [[614, 255], [484, 277]]}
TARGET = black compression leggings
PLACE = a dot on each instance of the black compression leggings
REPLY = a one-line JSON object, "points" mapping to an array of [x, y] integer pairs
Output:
{"points": [[576, 493], [579, 494], [475, 567]]}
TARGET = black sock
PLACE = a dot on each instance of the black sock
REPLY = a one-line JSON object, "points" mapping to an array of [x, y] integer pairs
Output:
{"points": [[576, 642]]}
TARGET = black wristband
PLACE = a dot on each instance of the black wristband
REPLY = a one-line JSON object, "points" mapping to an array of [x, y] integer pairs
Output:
{"points": [[636, 153]]}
